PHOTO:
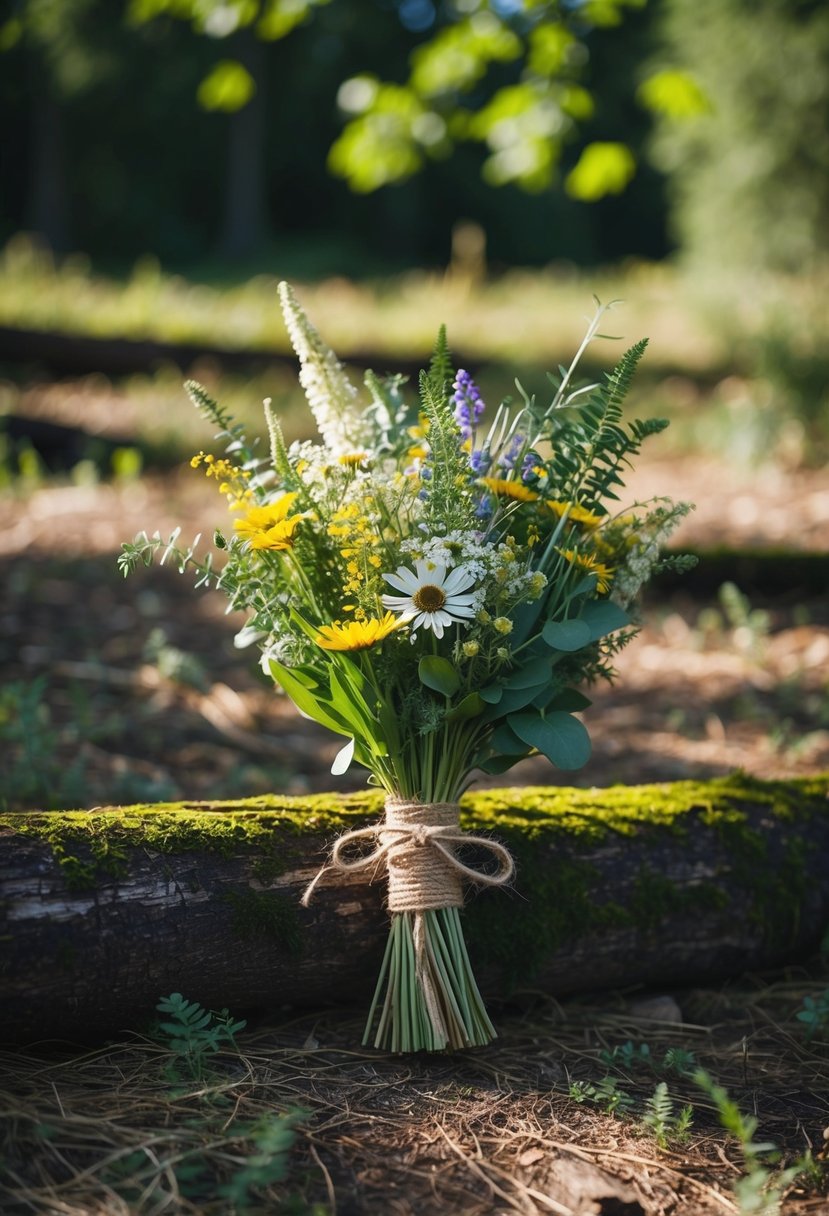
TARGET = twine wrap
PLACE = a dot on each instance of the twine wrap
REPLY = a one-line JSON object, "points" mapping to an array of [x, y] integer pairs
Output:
{"points": [[416, 842]]}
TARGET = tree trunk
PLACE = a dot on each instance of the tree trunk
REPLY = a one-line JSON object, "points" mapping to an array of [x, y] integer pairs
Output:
{"points": [[245, 223], [105, 911]]}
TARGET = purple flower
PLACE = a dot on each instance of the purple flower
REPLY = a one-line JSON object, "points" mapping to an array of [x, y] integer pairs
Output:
{"points": [[468, 403], [479, 461], [507, 459], [528, 467]]}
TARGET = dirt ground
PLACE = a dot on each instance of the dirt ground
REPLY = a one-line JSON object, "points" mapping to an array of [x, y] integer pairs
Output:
{"points": [[128, 691]]}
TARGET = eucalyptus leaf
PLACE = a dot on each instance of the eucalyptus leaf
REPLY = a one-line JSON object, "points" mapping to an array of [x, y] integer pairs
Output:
{"points": [[513, 699], [470, 707], [499, 764], [505, 741], [530, 675], [438, 674], [567, 635], [492, 693], [558, 736], [602, 617]]}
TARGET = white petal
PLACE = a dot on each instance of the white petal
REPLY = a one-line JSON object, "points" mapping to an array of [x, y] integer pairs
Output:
{"points": [[398, 603], [430, 572], [437, 624], [403, 580], [460, 612], [458, 580], [459, 599], [343, 759]]}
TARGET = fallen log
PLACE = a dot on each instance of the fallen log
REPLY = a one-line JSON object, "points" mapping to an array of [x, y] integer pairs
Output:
{"points": [[105, 911]]}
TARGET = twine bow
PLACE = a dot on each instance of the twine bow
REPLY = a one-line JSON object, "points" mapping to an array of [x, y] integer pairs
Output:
{"points": [[416, 842]]}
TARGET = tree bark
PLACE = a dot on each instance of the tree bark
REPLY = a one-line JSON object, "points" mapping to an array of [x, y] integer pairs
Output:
{"points": [[103, 912]]}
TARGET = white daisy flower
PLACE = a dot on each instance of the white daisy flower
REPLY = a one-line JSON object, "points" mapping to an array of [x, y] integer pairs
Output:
{"points": [[431, 598]]}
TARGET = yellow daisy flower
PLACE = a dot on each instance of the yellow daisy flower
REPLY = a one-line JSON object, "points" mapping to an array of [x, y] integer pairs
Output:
{"points": [[578, 515], [357, 635], [509, 489], [589, 563], [270, 527]]}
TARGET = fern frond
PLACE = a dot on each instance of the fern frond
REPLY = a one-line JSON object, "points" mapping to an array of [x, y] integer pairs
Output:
{"points": [[441, 371], [449, 500]]}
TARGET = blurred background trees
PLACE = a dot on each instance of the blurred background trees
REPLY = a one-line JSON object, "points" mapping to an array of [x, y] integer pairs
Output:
{"points": [[351, 136]]}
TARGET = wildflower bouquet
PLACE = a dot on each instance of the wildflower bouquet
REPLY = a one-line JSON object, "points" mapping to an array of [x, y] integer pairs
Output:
{"points": [[436, 588]]}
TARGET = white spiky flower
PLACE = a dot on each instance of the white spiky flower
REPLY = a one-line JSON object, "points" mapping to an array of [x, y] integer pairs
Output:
{"points": [[431, 598], [330, 393]]}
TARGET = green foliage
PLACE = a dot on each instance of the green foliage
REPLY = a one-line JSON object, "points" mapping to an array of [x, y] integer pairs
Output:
{"points": [[228, 87], [760, 1189], [749, 166], [193, 1034], [605, 1094], [815, 1013], [273, 1137], [603, 168], [454, 91], [31, 772], [666, 1125]]}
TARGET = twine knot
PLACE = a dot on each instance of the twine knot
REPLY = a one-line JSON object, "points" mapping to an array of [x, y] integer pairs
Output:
{"points": [[417, 843]]}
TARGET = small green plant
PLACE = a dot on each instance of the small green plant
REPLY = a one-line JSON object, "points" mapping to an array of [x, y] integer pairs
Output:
{"points": [[628, 1056], [273, 1137], [605, 1094], [31, 773], [194, 1033], [815, 1013], [760, 1189], [175, 664], [660, 1118], [747, 627]]}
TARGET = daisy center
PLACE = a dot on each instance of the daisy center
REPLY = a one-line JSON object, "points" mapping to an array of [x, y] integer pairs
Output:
{"points": [[429, 598]]}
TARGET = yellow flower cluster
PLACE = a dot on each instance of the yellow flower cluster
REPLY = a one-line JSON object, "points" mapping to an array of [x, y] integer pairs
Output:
{"points": [[232, 480], [352, 525]]}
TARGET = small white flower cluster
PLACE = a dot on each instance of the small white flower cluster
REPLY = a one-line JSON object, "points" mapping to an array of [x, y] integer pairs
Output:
{"points": [[643, 555], [494, 567], [331, 395]]}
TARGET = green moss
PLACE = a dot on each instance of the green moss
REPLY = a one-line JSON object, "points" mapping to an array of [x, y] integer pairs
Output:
{"points": [[561, 890], [92, 846], [549, 830], [269, 914]]}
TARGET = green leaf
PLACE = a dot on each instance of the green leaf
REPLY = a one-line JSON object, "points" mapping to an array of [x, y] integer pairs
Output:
{"points": [[530, 675], [567, 635], [499, 764], [305, 701], [515, 698], [602, 617], [558, 736], [603, 168], [492, 693], [470, 707], [228, 87], [505, 741], [438, 674]]}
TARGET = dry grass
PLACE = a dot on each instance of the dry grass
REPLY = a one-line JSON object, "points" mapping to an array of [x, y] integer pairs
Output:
{"points": [[494, 1131]]}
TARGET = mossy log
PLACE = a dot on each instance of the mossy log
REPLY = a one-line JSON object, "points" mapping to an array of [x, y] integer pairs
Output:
{"points": [[105, 911]]}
